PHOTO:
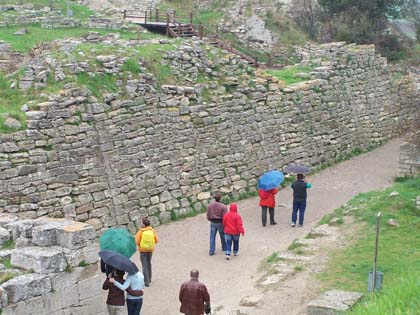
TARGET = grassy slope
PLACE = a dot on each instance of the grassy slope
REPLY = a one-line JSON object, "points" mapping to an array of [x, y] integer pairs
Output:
{"points": [[11, 100], [80, 12], [36, 34], [399, 257]]}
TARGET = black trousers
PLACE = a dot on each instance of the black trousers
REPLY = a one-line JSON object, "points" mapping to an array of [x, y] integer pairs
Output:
{"points": [[264, 215]]}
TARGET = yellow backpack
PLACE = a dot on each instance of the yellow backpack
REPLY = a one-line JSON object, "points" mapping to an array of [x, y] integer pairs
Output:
{"points": [[147, 241]]}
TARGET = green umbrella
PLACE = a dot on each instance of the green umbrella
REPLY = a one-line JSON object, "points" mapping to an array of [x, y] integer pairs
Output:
{"points": [[118, 240]]}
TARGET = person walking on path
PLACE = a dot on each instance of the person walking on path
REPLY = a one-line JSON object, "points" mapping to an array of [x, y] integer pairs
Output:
{"points": [[115, 301], [194, 297], [232, 223], [300, 187], [215, 212], [146, 239], [267, 201], [134, 281]]}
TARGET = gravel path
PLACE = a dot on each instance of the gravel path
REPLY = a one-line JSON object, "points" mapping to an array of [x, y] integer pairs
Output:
{"points": [[184, 245]]}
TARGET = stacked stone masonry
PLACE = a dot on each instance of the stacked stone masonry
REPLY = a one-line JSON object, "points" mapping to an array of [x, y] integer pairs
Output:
{"points": [[161, 153], [409, 163], [54, 268]]}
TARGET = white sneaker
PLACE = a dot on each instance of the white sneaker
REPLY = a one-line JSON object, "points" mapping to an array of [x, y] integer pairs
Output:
{"points": [[236, 254], [293, 224], [227, 257]]}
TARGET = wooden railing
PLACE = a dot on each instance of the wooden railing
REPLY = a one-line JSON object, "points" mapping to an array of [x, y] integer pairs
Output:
{"points": [[159, 16]]}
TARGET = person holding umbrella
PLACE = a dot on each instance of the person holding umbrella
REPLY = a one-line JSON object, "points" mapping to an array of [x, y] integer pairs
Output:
{"points": [[267, 190], [135, 279], [300, 187]]}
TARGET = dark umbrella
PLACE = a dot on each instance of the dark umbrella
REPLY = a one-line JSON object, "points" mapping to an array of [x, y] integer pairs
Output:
{"points": [[118, 261], [298, 169]]}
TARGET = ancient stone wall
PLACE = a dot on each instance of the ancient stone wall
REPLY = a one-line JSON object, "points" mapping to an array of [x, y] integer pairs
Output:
{"points": [[409, 164], [51, 270], [161, 153]]}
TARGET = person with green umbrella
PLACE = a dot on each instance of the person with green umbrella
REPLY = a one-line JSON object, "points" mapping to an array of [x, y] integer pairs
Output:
{"points": [[118, 240]]}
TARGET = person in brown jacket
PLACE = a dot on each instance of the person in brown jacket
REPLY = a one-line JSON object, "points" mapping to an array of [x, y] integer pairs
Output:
{"points": [[194, 297]]}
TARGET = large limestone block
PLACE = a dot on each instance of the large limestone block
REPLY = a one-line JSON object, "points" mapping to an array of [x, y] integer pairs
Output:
{"points": [[75, 235], [52, 301], [26, 286], [333, 302], [35, 306], [66, 279], [4, 235], [3, 298], [90, 287], [40, 259], [45, 234], [22, 228]]}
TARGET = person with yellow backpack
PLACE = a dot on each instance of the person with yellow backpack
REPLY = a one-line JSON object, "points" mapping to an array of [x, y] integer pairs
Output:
{"points": [[146, 238]]}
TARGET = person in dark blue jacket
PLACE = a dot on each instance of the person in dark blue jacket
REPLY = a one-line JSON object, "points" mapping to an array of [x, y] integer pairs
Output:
{"points": [[300, 187]]}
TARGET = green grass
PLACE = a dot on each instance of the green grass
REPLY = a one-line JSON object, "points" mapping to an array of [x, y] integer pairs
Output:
{"points": [[80, 12], [131, 65], [295, 245], [10, 102], [401, 299], [6, 263], [36, 35], [98, 83], [398, 254], [7, 245], [288, 74]]}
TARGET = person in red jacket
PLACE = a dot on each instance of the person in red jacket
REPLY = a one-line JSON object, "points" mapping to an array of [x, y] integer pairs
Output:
{"points": [[232, 223], [267, 201]]}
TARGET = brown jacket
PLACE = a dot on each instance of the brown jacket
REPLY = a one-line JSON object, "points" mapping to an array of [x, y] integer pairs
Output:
{"points": [[216, 211], [192, 295]]}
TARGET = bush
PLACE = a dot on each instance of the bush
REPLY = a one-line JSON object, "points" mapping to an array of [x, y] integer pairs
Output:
{"points": [[393, 47]]}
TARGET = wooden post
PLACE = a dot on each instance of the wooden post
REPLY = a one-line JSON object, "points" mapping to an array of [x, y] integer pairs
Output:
{"points": [[157, 15], [125, 14], [269, 60], [167, 20], [375, 260], [191, 17], [217, 29], [200, 31], [145, 17]]}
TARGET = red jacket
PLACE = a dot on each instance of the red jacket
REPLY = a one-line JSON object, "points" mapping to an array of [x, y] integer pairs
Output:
{"points": [[267, 197], [232, 221]]}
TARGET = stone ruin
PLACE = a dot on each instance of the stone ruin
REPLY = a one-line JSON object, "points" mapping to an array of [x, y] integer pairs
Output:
{"points": [[49, 268]]}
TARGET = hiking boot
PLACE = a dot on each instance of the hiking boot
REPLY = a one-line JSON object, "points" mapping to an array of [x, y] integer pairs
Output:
{"points": [[293, 224], [211, 254], [227, 257], [274, 223]]}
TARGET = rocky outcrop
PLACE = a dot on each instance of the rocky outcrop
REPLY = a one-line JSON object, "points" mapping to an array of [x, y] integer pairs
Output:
{"points": [[333, 303], [46, 274]]}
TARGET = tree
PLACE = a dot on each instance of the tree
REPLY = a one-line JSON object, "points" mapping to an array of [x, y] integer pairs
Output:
{"points": [[306, 14], [363, 20]]}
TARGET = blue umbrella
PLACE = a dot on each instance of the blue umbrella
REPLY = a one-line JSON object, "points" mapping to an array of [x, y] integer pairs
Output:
{"points": [[270, 180], [118, 261], [298, 169]]}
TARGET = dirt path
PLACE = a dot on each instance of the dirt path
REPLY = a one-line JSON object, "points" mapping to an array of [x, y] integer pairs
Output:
{"points": [[184, 245]]}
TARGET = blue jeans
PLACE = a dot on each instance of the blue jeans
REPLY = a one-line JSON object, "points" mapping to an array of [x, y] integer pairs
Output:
{"points": [[298, 206], [134, 306], [214, 228], [229, 238]]}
